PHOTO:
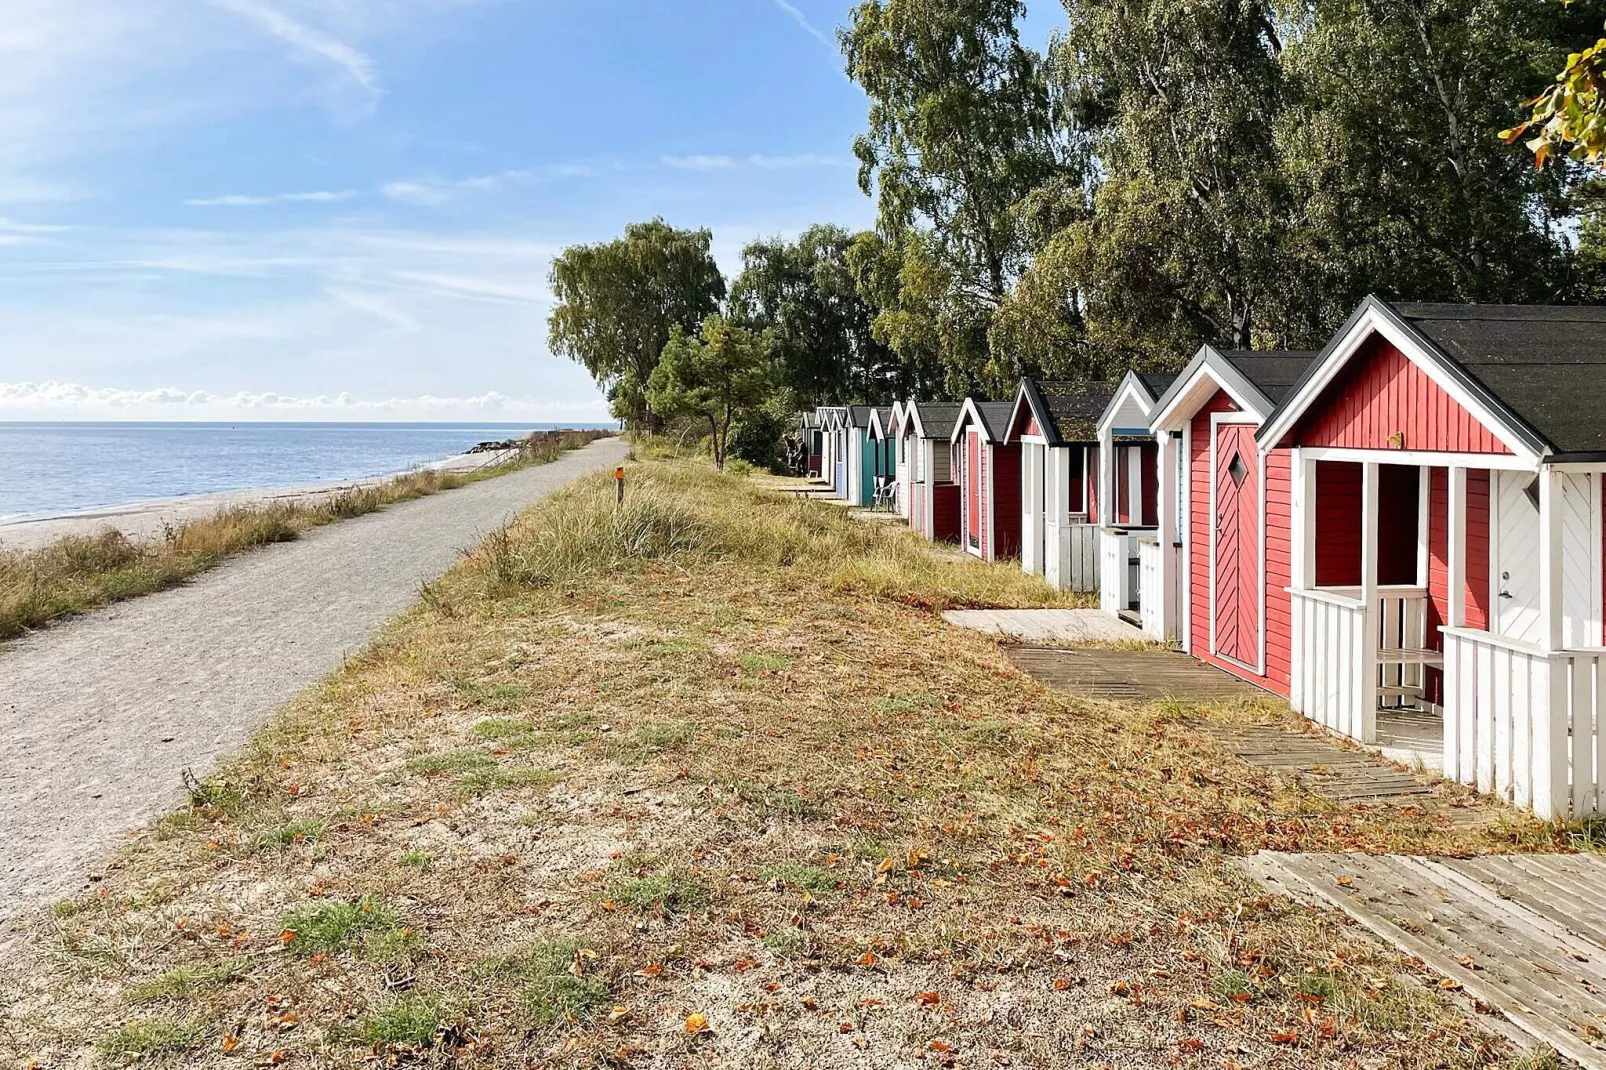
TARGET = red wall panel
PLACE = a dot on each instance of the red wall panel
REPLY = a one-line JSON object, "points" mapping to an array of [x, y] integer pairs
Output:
{"points": [[1004, 486], [1092, 484], [1381, 393], [1338, 524]]}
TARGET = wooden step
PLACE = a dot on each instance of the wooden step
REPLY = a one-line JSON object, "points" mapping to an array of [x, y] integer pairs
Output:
{"points": [[1410, 656]]}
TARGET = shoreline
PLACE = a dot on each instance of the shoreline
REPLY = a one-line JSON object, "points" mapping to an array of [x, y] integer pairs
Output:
{"points": [[146, 519]]}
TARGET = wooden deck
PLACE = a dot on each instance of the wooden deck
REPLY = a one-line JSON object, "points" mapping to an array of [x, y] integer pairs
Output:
{"points": [[1048, 625], [1140, 675], [1523, 934]]}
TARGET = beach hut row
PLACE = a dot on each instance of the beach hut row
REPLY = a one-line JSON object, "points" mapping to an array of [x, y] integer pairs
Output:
{"points": [[1402, 534]]}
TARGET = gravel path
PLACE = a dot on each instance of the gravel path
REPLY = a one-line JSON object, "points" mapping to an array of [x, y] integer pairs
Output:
{"points": [[98, 717]]}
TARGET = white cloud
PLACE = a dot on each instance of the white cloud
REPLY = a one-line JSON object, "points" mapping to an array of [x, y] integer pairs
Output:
{"points": [[801, 160], [803, 21], [241, 200], [376, 306], [699, 162], [428, 192], [305, 39], [66, 400]]}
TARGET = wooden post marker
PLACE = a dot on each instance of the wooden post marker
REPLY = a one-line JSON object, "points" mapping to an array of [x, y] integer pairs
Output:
{"points": [[619, 485]]}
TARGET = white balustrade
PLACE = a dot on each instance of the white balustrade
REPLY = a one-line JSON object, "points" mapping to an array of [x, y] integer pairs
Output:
{"points": [[1151, 593], [1525, 724]]}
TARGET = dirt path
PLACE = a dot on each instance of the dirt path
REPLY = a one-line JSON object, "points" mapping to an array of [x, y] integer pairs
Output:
{"points": [[99, 717]]}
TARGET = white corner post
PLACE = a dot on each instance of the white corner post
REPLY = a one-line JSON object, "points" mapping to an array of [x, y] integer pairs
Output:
{"points": [[1365, 718], [1460, 743], [1301, 548], [1548, 723], [1168, 534]]}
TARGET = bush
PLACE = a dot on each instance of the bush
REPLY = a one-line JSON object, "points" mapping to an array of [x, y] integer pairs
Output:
{"points": [[757, 439]]}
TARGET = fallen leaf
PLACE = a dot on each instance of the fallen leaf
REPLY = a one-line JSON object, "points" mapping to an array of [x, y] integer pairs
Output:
{"points": [[928, 999], [866, 959], [1450, 984], [1284, 1038], [696, 1023], [619, 1013], [228, 1043]]}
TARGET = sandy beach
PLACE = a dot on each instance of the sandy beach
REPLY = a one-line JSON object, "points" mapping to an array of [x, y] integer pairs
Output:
{"points": [[150, 518]]}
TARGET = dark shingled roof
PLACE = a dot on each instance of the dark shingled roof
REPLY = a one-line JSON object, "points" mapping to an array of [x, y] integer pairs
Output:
{"points": [[1075, 407], [1157, 382], [937, 417], [995, 417], [1544, 363], [858, 415], [1272, 371]]}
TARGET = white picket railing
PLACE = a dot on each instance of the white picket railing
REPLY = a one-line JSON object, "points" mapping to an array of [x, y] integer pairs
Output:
{"points": [[1525, 724], [1331, 681], [1073, 555], [1152, 594], [1114, 586]]}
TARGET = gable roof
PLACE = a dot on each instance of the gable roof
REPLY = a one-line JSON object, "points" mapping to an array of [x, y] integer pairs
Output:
{"points": [[934, 419], [1255, 379], [1143, 387], [1066, 411], [991, 416], [1535, 375], [886, 420], [858, 415]]}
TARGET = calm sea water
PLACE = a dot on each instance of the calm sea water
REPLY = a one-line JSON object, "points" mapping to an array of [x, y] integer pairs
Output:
{"points": [[47, 469]]}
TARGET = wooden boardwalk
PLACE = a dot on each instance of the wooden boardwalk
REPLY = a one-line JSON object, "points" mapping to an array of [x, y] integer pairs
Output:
{"points": [[1048, 625], [1523, 934], [1139, 675]]}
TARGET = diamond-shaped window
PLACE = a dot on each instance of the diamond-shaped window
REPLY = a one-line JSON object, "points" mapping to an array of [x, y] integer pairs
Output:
{"points": [[1237, 470]]}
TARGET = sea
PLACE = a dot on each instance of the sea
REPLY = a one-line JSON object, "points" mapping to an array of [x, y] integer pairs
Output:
{"points": [[53, 469]]}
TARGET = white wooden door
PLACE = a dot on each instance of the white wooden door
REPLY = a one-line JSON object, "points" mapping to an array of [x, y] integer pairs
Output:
{"points": [[1580, 559], [1516, 559]]}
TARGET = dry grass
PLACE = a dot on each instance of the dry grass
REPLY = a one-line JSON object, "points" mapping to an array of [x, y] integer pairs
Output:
{"points": [[750, 779], [79, 573]]}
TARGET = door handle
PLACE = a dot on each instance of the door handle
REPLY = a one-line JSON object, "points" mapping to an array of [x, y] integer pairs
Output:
{"points": [[1506, 594]]}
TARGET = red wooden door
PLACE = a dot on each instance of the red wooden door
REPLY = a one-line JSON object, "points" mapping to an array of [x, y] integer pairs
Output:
{"points": [[1237, 544], [973, 488]]}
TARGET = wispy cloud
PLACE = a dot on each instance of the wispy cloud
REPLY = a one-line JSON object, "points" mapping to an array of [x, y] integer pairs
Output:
{"points": [[243, 200], [377, 306], [699, 162], [433, 191], [801, 160], [803, 21], [33, 399], [306, 40]]}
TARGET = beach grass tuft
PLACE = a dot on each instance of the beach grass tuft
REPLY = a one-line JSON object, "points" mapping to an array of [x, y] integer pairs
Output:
{"points": [[79, 573]]}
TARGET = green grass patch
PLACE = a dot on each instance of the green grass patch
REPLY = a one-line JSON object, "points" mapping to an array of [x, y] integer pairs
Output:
{"points": [[776, 801], [508, 730], [182, 982], [763, 663], [549, 992], [414, 859], [413, 1020], [802, 876], [451, 762], [306, 831], [492, 696], [488, 780], [330, 926], [666, 891], [151, 1037]]}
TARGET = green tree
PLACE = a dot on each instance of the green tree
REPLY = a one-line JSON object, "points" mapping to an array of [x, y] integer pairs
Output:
{"points": [[1569, 117], [1392, 147], [806, 294], [713, 377], [619, 300], [959, 134]]}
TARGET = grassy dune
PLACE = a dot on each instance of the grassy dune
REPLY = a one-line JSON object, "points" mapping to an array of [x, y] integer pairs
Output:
{"points": [[79, 573], [704, 781]]}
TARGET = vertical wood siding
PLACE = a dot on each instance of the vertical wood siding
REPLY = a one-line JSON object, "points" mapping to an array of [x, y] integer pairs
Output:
{"points": [[1338, 524], [984, 497], [1236, 527], [1399, 502], [1277, 563], [1073, 461], [1477, 591], [1380, 393], [1092, 484], [969, 488], [1005, 480], [1438, 607], [1149, 476]]}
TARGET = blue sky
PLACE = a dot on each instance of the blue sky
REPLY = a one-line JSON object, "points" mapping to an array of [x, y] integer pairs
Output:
{"points": [[299, 209]]}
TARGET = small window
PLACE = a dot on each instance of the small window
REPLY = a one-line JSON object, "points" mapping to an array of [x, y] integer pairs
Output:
{"points": [[1237, 469]]}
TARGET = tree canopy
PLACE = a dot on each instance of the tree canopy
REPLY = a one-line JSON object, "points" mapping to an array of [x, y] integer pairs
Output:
{"points": [[619, 300], [712, 377]]}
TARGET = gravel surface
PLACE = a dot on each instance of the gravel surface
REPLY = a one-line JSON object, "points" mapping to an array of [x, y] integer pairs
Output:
{"points": [[99, 717]]}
